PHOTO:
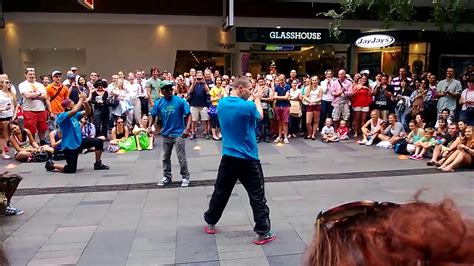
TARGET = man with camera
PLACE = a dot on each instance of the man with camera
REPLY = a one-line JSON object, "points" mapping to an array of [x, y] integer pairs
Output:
{"points": [[198, 101]]}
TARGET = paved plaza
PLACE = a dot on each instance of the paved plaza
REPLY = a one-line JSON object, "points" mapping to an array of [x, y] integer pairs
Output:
{"points": [[120, 216]]}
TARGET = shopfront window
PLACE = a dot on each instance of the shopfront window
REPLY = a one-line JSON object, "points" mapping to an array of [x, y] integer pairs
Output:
{"points": [[418, 57]]}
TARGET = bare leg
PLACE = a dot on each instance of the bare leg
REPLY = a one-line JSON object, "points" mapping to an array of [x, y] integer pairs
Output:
{"points": [[450, 159], [309, 124], [316, 115], [285, 130], [461, 159]]}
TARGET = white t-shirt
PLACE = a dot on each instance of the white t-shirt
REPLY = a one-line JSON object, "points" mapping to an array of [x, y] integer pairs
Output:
{"points": [[132, 90], [141, 90], [327, 96], [294, 93], [468, 96], [32, 104], [4, 101]]}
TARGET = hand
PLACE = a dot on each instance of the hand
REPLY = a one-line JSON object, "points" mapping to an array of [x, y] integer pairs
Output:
{"points": [[461, 147], [8, 107], [83, 96], [186, 133]]}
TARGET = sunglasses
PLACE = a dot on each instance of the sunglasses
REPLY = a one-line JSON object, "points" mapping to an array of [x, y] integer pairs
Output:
{"points": [[7, 82], [119, 122]]}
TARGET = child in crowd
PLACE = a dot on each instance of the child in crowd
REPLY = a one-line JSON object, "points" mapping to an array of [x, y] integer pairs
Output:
{"points": [[87, 128], [424, 144], [343, 131], [442, 128], [327, 133]]}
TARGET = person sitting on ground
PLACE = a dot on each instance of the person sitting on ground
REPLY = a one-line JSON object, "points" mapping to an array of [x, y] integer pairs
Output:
{"points": [[143, 134], [464, 154], [88, 131], [25, 145], [462, 127], [371, 128], [394, 130], [442, 127], [55, 138], [384, 233], [424, 144], [445, 146], [420, 121], [444, 114], [327, 133], [8, 184], [119, 134], [72, 141], [343, 131], [414, 136]]}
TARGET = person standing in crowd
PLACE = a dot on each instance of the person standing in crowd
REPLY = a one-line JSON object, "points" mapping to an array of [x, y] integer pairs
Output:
{"points": [[45, 80], [282, 109], [134, 108], [57, 92], [142, 92], [181, 89], [217, 93], [8, 110], [100, 108], [174, 111], [382, 94], [402, 75], [341, 90], [35, 101], [93, 78], [313, 96], [401, 100], [326, 103], [72, 142], [198, 93], [448, 91], [295, 102], [240, 160], [263, 131], [467, 102], [361, 100]]}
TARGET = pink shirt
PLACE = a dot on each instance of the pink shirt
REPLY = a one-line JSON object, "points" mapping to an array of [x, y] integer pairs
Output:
{"points": [[335, 88]]}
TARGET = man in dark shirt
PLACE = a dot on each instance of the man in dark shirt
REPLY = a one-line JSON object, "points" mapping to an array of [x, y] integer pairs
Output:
{"points": [[383, 94], [198, 100]]}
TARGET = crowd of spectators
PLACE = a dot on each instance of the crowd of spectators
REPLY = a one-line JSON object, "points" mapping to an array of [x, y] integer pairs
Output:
{"points": [[421, 116]]}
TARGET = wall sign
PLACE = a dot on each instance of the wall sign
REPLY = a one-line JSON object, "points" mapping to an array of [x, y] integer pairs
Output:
{"points": [[282, 36], [374, 41]]}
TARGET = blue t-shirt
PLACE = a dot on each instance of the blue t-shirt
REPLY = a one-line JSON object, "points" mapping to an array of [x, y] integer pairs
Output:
{"points": [[238, 120], [71, 129], [172, 113], [281, 91], [199, 96]]}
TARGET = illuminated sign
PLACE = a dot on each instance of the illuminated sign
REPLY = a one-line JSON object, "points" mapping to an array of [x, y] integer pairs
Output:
{"points": [[375, 41], [294, 35]]}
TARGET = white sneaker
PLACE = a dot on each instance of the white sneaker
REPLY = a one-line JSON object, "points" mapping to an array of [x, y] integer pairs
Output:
{"points": [[362, 142], [369, 142], [277, 140], [165, 181], [286, 141], [185, 182]]}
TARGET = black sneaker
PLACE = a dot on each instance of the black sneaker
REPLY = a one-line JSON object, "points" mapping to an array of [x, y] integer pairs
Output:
{"points": [[268, 140], [265, 238], [100, 166], [208, 136], [49, 165], [165, 181], [193, 136]]}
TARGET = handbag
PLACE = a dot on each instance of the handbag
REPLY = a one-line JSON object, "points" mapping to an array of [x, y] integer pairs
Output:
{"points": [[112, 101], [295, 108]]}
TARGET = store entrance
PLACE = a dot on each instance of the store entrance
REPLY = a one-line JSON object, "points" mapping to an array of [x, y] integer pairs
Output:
{"points": [[312, 60]]}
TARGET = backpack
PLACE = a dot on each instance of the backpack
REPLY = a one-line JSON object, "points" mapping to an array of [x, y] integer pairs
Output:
{"points": [[401, 147]]}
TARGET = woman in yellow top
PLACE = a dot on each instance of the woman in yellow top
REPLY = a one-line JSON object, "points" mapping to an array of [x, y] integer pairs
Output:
{"points": [[217, 93]]}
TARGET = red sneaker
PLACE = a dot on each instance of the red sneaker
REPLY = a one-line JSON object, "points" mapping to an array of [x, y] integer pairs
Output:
{"points": [[263, 239], [210, 229]]}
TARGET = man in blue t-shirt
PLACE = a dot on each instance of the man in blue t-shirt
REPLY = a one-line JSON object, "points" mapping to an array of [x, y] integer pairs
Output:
{"points": [[174, 111], [240, 159], [72, 141]]}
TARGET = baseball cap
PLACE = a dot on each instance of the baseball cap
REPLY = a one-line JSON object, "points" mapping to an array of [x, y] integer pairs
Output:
{"points": [[56, 72], [73, 68], [71, 76], [166, 84], [365, 71], [66, 102]]}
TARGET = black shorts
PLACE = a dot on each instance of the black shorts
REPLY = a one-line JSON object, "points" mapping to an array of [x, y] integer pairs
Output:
{"points": [[72, 155], [3, 119]]}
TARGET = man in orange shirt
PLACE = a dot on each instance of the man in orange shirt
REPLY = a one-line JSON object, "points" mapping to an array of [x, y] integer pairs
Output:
{"points": [[57, 92]]}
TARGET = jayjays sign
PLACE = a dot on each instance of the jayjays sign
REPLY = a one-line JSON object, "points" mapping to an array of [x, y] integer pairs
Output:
{"points": [[375, 41]]}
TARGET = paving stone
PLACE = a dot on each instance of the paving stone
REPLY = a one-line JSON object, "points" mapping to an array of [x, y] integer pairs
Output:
{"points": [[58, 254], [63, 246], [151, 261], [285, 260], [240, 262], [205, 263], [193, 245]]}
